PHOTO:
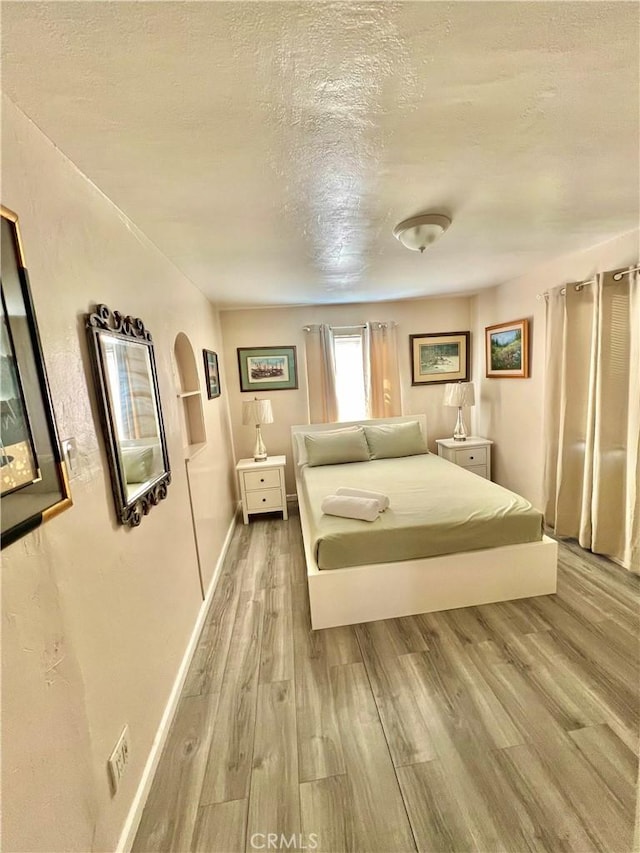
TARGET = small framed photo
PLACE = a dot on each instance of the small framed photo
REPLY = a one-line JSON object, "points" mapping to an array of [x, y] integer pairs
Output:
{"points": [[211, 373], [439, 357], [507, 350], [267, 368]]}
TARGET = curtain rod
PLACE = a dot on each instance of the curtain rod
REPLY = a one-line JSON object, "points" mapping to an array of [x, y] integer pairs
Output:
{"points": [[578, 287], [350, 326], [618, 275], [581, 284]]}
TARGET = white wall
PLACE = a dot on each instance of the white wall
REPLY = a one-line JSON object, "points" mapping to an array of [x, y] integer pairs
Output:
{"points": [[510, 411], [96, 616], [284, 327]]}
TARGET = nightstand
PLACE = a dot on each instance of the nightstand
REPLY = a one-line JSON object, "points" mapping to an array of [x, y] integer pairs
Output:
{"points": [[262, 486], [474, 454]]}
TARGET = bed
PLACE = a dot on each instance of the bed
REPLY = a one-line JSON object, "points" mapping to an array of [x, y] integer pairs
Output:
{"points": [[449, 539]]}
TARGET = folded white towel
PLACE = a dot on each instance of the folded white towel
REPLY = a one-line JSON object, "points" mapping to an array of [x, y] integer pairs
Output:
{"points": [[383, 500], [346, 506]]}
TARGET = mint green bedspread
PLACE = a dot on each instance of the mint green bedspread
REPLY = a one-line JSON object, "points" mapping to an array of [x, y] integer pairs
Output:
{"points": [[436, 507]]}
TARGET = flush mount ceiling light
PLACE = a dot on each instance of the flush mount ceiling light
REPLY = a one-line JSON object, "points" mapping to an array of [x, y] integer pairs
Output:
{"points": [[420, 231]]}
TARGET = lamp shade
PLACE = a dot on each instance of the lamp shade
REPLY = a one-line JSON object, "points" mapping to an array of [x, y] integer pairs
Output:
{"points": [[459, 394], [257, 412]]}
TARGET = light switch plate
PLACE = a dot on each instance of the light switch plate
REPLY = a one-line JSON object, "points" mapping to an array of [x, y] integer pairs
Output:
{"points": [[70, 453]]}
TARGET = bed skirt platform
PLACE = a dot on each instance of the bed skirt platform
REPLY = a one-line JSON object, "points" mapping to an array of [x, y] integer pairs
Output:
{"points": [[388, 590]]}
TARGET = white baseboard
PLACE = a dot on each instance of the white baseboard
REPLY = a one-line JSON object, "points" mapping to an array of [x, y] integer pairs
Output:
{"points": [[132, 822]]}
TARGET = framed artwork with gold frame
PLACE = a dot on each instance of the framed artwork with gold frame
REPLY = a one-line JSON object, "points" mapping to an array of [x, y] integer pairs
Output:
{"points": [[34, 485], [507, 350]]}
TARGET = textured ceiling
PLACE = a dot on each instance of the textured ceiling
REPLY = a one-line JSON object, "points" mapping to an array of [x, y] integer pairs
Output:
{"points": [[269, 148]]}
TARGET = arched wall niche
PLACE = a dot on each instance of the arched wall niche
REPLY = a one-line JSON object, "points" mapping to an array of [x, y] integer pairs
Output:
{"points": [[194, 435]]}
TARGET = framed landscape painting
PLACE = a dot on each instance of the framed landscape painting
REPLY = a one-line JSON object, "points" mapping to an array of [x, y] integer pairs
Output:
{"points": [[267, 368], [507, 350], [211, 373], [440, 357]]}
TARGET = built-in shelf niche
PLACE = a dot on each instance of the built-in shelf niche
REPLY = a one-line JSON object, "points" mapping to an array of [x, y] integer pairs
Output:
{"points": [[193, 450], [194, 437]]}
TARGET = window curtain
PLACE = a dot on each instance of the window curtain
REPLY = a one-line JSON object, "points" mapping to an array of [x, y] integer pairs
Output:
{"points": [[382, 370], [321, 374], [592, 415]]}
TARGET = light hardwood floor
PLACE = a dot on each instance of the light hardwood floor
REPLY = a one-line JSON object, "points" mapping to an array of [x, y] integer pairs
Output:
{"points": [[506, 727]]}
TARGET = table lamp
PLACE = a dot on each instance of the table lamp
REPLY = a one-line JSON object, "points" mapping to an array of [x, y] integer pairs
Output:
{"points": [[257, 412], [459, 394]]}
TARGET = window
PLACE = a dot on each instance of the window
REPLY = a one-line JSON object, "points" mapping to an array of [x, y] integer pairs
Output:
{"points": [[352, 372], [350, 375]]}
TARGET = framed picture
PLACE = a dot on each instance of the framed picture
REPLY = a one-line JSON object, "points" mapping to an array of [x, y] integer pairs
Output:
{"points": [[212, 374], [507, 350], [267, 368], [440, 357], [33, 480]]}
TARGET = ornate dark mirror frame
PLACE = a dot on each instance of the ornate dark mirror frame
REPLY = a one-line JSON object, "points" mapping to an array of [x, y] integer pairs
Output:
{"points": [[119, 326]]}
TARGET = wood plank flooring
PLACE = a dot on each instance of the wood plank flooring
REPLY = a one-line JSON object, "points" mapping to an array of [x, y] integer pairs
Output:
{"points": [[506, 727]]}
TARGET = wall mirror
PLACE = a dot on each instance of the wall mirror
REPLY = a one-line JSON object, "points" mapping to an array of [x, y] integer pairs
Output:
{"points": [[127, 384]]}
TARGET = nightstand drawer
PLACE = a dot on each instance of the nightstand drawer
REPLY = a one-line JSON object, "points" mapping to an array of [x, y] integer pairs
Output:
{"points": [[269, 479], [264, 499], [480, 470], [472, 456]]}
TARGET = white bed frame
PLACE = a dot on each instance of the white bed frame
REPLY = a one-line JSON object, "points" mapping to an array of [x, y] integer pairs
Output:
{"points": [[386, 590]]}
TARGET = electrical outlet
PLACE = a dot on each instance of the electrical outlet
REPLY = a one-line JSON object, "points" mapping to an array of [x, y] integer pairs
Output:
{"points": [[119, 759]]}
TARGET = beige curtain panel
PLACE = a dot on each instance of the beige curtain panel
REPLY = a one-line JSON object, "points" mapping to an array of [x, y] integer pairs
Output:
{"points": [[321, 375], [381, 344], [592, 415]]}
